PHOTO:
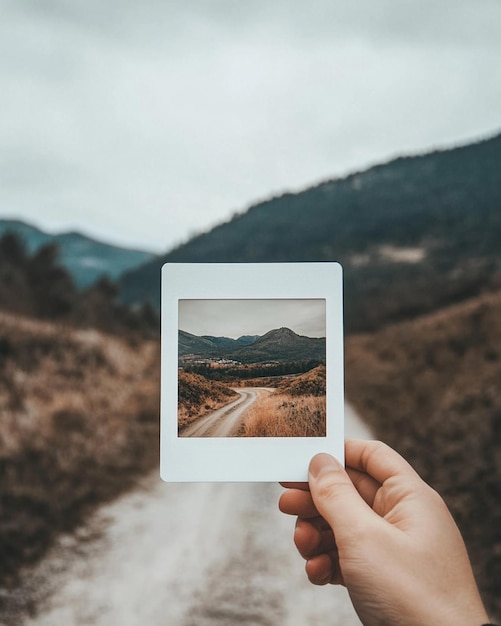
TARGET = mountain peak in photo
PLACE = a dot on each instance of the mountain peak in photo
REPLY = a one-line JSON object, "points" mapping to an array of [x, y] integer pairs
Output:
{"points": [[283, 333]]}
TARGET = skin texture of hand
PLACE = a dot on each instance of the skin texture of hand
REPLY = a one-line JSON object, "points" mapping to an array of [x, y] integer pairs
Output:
{"points": [[381, 531]]}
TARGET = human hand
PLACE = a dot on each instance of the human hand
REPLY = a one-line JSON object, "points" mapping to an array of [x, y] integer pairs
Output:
{"points": [[381, 531]]}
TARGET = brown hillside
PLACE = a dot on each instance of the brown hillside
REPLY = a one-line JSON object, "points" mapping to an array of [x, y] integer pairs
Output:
{"points": [[198, 395], [79, 422], [295, 409], [431, 388], [313, 383]]}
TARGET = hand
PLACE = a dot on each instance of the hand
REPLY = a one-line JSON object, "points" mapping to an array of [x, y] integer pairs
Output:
{"points": [[381, 531]]}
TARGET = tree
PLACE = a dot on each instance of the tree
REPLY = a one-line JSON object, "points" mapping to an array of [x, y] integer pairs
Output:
{"points": [[53, 290]]}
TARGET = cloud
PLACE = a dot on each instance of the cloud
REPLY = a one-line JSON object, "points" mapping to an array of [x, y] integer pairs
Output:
{"points": [[145, 121], [234, 318]]}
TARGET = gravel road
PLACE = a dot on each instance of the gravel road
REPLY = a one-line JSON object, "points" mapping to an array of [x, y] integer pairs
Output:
{"points": [[182, 555], [225, 422]]}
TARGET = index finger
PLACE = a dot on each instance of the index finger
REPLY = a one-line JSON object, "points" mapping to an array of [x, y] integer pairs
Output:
{"points": [[377, 459]]}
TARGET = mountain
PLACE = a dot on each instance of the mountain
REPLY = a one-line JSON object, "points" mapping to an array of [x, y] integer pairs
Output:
{"points": [[413, 234], [223, 344], [192, 344], [212, 346], [246, 340], [281, 344], [85, 258]]}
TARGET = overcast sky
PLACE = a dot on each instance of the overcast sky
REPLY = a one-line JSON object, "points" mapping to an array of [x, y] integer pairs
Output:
{"points": [[142, 122], [234, 318]]}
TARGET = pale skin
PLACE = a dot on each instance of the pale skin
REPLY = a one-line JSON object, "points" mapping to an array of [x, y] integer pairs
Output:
{"points": [[380, 530]]}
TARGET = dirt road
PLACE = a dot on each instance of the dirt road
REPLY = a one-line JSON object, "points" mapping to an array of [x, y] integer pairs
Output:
{"points": [[225, 422], [183, 555]]}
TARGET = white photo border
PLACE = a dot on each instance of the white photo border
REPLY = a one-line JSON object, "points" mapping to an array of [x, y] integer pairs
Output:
{"points": [[253, 459]]}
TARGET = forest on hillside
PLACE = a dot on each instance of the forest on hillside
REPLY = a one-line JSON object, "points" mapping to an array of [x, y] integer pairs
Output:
{"points": [[443, 206], [36, 285]]}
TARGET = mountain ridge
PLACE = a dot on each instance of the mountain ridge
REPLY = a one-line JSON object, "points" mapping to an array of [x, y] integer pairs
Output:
{"points": [[276, 345], [413, 235], [86, 258]]}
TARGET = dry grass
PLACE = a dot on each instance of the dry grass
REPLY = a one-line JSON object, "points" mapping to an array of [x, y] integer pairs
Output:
{"points": [[198, 396], [283, 415], [296, 409], [312, 383], [79, 423]]}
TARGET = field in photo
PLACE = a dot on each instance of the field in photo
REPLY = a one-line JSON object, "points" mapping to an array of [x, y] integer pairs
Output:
{"points": [[220, 403]]}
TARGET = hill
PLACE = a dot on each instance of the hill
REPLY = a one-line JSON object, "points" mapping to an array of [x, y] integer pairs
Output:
{"points": [[86, 259], [193, 344], [281, 344], [79, 425], [413, 234], [197, 396], [313, 383]]}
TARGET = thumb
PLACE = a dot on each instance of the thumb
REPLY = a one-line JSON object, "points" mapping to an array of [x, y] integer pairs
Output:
{"points": [[336, 498]]}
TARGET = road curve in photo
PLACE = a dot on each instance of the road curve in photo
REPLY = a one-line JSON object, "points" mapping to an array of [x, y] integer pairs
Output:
{"points": [[226, 421]]}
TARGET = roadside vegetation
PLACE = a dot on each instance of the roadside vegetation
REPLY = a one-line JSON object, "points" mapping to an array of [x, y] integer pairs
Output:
{"points": [[296, 409], [313, 383], [282, 415], [79, 424], [197, 396]]}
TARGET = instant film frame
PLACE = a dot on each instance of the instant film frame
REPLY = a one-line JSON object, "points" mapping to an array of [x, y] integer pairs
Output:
{"points": [[229, 459]]}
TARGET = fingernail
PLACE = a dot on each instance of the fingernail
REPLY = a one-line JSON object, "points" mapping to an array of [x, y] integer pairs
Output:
{"points": [[323, 462]]}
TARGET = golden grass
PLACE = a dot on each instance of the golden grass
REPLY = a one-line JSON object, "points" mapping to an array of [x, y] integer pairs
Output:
{"points": [[283, 415], [199, 396], [312, 383], [79, 422]]}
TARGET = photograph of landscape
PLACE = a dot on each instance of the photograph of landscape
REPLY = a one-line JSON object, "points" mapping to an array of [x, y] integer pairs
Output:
{"points": [[252, 368]]}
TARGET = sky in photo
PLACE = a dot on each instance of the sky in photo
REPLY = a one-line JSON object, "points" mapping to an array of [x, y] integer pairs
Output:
{"points": [[142, 123], [234, 318]]}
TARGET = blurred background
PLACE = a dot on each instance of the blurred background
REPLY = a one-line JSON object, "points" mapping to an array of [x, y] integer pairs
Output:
{"points": [[136, 133]]}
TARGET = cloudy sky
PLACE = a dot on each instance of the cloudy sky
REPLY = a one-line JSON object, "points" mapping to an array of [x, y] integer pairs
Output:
{"points": [[143, 122], [234, 318]]}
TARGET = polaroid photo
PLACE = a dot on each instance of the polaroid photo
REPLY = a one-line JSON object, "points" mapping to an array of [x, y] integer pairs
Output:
{"points": [[252, 370]]}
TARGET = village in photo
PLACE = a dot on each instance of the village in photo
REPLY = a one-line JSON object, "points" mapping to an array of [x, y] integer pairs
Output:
{"points": [[252, 368]]}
